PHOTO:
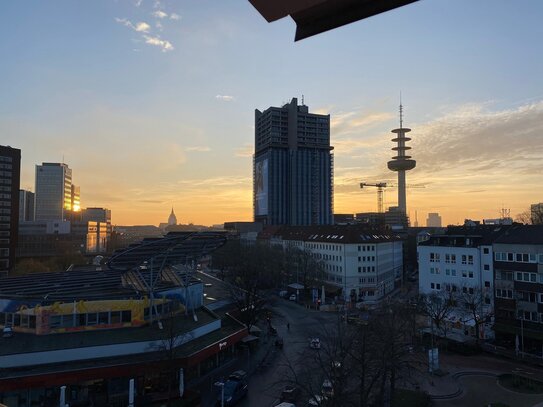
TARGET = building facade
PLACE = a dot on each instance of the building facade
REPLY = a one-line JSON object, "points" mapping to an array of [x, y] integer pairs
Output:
{"points": [[54, 194], [26, 205], [363, 265], [518, 270], [433, 220], [459, 262], [293, 167], [10, 173]]}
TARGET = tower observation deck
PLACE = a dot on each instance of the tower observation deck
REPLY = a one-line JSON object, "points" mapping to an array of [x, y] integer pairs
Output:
{"points": [[401, 162]]}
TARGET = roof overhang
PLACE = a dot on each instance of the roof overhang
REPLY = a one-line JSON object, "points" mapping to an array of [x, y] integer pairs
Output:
{"points": [[316, 16]]}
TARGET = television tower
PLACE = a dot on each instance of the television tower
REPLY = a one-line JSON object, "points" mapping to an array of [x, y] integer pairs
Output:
{"points": [[401, 162]]}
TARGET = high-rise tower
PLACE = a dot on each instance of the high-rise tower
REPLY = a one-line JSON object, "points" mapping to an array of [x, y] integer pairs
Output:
{"points": [[54, 196], [293, 166], [401, 162]]}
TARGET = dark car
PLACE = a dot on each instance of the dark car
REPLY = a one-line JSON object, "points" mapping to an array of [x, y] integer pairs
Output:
{"points": [[290, 394], [235, 388]]}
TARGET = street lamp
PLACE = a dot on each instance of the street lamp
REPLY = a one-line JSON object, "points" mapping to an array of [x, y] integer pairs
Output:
{"points": [[221, 385]]}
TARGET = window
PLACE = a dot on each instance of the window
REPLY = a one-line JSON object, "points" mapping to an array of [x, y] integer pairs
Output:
{"points": [[470, 274], [432, 286], [92, 318], [453, 272], [464, 259], [447, 272], [470, 259], [359, 269], [453, 258], [126, 316], [447, 258], [486, 250], [103, 318], [509, 257], [486, 267], [470, 290], [464, 273], [438, 286], [487, 284]]}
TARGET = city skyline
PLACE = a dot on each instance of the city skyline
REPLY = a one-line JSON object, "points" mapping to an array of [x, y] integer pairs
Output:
{"points": [[152, 110]]}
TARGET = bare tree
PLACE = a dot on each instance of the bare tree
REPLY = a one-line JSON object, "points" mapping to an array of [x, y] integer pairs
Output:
{"points": [[477, 306], [532, 216], [438, 306]]}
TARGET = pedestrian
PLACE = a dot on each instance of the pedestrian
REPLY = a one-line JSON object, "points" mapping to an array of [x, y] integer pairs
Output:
{"points": [[288, 326]]}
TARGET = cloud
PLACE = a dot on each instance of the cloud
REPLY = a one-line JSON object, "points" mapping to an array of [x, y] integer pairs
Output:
{"points": [[141, 26], [225, 98], [175, 16], [159, 14], [158, 42], [199, 149], [472, 137]]}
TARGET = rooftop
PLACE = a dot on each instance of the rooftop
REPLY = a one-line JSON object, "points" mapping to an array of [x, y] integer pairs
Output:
{"points": [[522, 234], [334, 234]]}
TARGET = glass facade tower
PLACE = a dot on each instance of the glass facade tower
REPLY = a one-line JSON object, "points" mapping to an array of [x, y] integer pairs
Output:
{"points": [[293, 167], [53, 191]]}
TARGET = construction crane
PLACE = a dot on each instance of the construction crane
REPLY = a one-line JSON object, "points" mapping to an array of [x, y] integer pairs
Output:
{"points": [[380, 187]]}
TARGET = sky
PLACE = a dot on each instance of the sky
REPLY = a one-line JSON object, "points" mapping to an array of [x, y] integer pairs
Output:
{"points": [[151, 103]]}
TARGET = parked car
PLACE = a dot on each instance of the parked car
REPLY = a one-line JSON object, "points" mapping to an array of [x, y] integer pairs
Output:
{"points": [[314, 343], [283, 293], [290, 394], [7, 332], [292, 297], [235, 388]]}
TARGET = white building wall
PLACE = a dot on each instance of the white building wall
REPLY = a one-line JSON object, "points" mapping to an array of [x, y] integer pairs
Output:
{"points": [[366, 269]]}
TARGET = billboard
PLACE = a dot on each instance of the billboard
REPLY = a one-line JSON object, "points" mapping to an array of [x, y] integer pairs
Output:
{"points": [[261, 187]]}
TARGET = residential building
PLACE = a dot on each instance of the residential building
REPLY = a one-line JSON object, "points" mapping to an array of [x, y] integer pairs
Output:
{"points": [[460, 262], [10, 173], [293, 167], [54, 195], [518, 270], [434, 220], [359, 264]]}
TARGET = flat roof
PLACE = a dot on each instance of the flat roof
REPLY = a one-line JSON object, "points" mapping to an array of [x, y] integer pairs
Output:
{"points": [[28, 343]]}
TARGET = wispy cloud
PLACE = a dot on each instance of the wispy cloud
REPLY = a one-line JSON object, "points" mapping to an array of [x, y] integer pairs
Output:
{"points": [[199, 149], [159, 14], [175, 16], [141, 26], [165, 45], [225, 98]]}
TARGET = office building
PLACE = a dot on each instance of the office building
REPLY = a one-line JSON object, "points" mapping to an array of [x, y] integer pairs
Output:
{"points": [[26, 206], [55, 197], [433, 220], [293, 167], [10, 173]]}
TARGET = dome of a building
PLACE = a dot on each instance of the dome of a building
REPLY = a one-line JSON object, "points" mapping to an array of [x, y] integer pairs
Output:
{"points": [[172, 220]]}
